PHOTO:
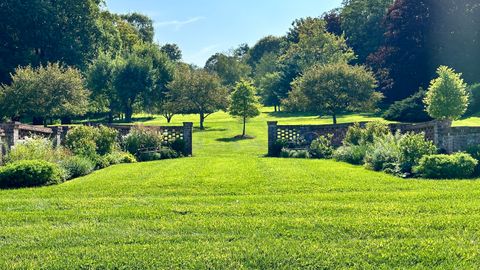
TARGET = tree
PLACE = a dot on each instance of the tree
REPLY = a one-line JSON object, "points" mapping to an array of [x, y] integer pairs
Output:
{"points": [[336, 88], [268, 90], [100, 80], [447, 96], [50, 91], [362, 21], [314, 45], [266, 45], [230, 69], [333, 23], [198, 91], [36, 32], [420, 36], [244, 103], [172, 51], [309, 44], [134, 76], [142, 24], [403, 54]]}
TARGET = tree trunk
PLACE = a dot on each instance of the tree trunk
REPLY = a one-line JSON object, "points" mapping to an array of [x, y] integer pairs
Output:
{"points": [[110, 117], [244, 126], [275, 108], [66, 121], [128, 114], [202, 120], [334, 118], [38, 121]]}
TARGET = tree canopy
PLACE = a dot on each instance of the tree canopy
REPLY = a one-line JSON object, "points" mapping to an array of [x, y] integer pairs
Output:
{"points": [[447, 96], [335, 88]]}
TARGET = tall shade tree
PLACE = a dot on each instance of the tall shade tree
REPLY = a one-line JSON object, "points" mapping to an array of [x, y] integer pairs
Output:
{"points": [[316, 46], [310, 44], [100, 80], [172, 51], [362, 22], [142, 24], [198, 91], [420, 36], [447, 97], [134, 76], [50, 91], [244, 103], [230, 69], [268, 90], [335, 88], [266, 45], [36, 32]]}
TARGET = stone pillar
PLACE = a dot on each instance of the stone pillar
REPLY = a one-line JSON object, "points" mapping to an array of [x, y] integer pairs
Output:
{"points": [[442, 135], [188, 137], [12, 133], [272, 136], [57, 136]]}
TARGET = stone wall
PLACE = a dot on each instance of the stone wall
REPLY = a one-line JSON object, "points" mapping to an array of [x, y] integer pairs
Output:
{"points": [[441, 133], [169, 133], [15, 132]]}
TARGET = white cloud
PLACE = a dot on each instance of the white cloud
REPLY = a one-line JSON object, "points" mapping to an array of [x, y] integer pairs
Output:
{"points": [[177, 25]]}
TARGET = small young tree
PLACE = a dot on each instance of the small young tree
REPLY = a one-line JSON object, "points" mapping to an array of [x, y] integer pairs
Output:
{"points": [[447, 96], [244, 104], [335, 88]]}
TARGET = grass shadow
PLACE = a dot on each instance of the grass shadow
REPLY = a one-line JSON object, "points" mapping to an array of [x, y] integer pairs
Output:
{"points": [[197, 129], [290, 114], [235, 139]]}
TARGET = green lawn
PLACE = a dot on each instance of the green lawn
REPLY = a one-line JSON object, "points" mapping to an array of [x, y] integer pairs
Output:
{"points": [[231, 208]]}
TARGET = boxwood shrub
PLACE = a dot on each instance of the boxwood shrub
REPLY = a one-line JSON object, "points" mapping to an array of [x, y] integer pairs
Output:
{"points": [[30, 173], [456, 166]]}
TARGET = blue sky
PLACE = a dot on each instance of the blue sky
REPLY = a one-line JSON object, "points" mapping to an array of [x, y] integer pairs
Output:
{"points": [[204, 27]]}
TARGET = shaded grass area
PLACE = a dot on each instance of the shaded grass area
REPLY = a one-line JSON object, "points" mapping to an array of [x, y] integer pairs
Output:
{"points": [[231, 208]]}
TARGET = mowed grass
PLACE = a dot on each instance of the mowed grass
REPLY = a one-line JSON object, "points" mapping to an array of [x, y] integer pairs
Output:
{"points": [[229, 207]]}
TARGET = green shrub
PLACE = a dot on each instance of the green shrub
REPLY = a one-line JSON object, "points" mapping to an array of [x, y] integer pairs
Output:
{"points": [[293, 153], [140, 139], [356, 135], [322, 147], [36, 149], [77, 166], [457, 166], [120, 157], [412, 148], [277, 148], [353, 154], [102, 162], [163, 153], [383, 154], [411, 109], [81, 141], [106, 141], [374, 130], [474, 151], [30, 173], [92, 141], [178, 146]]}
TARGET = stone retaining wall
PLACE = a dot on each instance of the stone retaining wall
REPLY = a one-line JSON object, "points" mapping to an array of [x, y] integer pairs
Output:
{"points": [[441, 133]]}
